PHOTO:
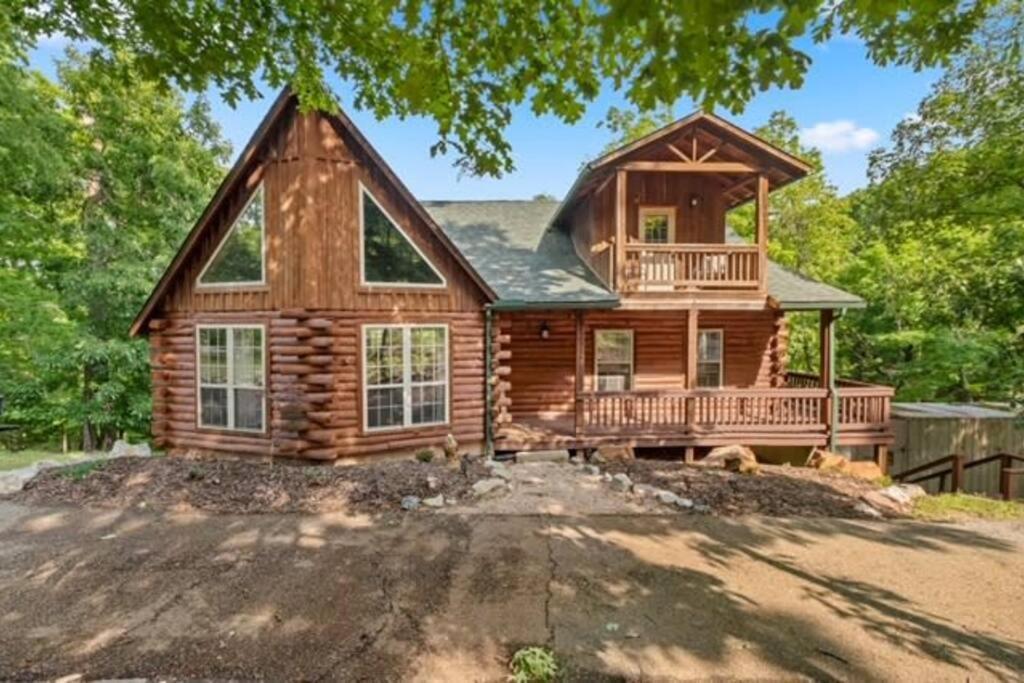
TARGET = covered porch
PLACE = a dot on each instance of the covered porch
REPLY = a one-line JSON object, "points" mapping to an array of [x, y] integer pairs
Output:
{"points": [[559, 404]]}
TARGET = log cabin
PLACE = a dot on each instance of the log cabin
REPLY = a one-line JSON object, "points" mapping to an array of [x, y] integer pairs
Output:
{"points": [[318, 310]]}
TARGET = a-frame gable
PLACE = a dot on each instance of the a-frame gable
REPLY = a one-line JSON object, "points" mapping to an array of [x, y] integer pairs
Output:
{"points": [[274, 140]]}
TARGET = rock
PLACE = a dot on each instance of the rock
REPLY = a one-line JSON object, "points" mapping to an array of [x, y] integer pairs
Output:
{"points": [[621, 482], [614, 454], [866, 510], [451, 447], [701, 508], [644, 490], [611, 627], [502, 472], [433, 483], [904, 495], [596, 457], [486, 487], [733, 458], [684, 503], [410, 502], [435, 502], [576, 460], [606, 477], [884, 503], [542, 456], [123, 449], [913, 490], [12, 482], [667, 497], [827, 461], [592, 469]]}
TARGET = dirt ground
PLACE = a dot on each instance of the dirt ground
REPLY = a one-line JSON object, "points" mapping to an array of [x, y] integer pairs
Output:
{"points": [[623, 594]]}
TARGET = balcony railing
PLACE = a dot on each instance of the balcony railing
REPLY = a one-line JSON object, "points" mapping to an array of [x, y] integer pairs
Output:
{"points": [[801, 410], [653, 268]]}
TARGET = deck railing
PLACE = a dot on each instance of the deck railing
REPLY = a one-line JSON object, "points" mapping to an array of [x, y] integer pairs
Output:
{"points": [[680, 267], [793, 409]]}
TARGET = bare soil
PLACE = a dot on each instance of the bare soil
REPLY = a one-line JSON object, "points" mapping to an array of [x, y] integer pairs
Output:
{"points": [[247, 487], [778, 491]]}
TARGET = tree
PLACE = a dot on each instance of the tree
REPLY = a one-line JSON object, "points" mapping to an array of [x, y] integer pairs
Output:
{"points": [[466, 65], [110, 171]]}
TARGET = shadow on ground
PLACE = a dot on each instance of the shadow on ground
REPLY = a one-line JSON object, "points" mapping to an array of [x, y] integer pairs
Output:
{"points": [[334, 597]]}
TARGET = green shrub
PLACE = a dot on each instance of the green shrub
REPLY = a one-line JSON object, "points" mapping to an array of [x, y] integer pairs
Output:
{"points": [[534, 665], [82, 469], [425, 455]]}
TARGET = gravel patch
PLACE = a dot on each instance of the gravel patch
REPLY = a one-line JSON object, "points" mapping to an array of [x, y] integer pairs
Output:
{"points": [[238, 486], [778, 491]]}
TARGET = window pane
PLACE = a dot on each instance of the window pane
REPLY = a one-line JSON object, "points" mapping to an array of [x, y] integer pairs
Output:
{"points": [[213, 407], [708, 374], [248, 408], [248, 356], [428, 404], [709, 346], [383, 356], [388, 256], [614, 346], [427, 353], [240, 257], [655, 228], [213, 356], [384, 407]]}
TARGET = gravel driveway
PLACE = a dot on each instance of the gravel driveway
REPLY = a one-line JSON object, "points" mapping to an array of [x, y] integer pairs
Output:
{"points": [[189, 595]]}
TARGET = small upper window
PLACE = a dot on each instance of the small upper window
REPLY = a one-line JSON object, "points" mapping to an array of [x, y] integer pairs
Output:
{"points": [[657, 224], [613, 359], [389, 257], [239, 259], [709, 358]]}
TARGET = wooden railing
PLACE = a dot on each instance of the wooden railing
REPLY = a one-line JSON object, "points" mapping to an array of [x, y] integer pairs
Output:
{"points": [[736, 409], [677, 267], [954, 467]]}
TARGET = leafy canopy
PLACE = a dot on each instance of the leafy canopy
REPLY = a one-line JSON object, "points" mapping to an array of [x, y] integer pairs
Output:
{"points": [[466, 65]]}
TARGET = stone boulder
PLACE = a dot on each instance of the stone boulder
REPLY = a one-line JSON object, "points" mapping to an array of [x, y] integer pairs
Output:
{"points": [[733, 458], [489, 487], [123, 449], [827, 461], [885, 504]]}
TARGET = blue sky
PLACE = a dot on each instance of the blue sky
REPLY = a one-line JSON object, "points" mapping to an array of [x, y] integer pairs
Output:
{"points": [[846, 107]]}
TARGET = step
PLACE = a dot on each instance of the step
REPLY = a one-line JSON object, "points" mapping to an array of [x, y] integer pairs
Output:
{"points": [[542, 456]]}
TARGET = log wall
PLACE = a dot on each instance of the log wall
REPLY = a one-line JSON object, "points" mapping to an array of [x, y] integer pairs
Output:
{"points": [[542, 371]]}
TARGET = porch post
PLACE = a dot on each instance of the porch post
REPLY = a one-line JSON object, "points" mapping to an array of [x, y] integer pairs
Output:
{"points": [[580, 372], [620, 230], [827, 360], [761, 210], [691, 348]]}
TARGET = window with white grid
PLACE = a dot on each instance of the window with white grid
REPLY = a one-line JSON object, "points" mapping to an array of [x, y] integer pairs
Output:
{"points": [[709, 358], [405, 379], [232, 386]]}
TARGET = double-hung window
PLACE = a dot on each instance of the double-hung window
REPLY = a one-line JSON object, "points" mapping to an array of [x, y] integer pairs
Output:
{"points": [[709, 358], [232, 384], [613, 359], [405, 375]]}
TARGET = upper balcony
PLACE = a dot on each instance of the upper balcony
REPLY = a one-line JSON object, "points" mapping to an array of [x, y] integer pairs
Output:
{"points": [[650, 218]]}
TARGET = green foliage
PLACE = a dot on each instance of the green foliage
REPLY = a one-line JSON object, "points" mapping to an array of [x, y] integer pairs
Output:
{"points": [[953, 506], [425, 455], [534, 665], [82, 470], [467, 65], [107, 170]]}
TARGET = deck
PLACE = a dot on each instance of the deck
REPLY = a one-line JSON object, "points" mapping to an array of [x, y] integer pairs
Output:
{"points": [[799, 414]]}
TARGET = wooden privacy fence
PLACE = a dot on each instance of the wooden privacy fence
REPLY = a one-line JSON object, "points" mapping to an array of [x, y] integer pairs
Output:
{"points": [[953, 468]]}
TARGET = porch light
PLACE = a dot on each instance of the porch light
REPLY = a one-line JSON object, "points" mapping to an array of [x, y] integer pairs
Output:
{"points": [[545, 331], [694, 201]]}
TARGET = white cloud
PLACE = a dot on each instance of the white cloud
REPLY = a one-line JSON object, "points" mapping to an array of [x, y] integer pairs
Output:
{"points": [[838, 136]]}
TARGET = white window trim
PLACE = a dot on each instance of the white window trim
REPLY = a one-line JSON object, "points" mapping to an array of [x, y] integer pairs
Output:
{"points": [[230, 371], [364, 193], [721, 361], [632, 358], [645, 211], [260, 191], [407, 382]]}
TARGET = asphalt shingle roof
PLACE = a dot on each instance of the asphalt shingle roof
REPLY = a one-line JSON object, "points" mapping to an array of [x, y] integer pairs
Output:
{"points": [[511, 245]]}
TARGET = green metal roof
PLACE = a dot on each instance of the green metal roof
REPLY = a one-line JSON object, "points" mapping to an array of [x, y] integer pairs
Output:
{"points": [[530, 263]]}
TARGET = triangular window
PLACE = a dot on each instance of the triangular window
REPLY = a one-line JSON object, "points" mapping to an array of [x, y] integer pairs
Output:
{"points": [[389, 256], [238, 259]]}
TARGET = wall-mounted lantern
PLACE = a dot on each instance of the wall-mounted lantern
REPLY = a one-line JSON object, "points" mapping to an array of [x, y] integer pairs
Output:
{"points": [[545, 331]]}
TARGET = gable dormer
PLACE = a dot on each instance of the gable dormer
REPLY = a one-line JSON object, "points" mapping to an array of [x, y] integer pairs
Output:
{"points": [[650, 217]]}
